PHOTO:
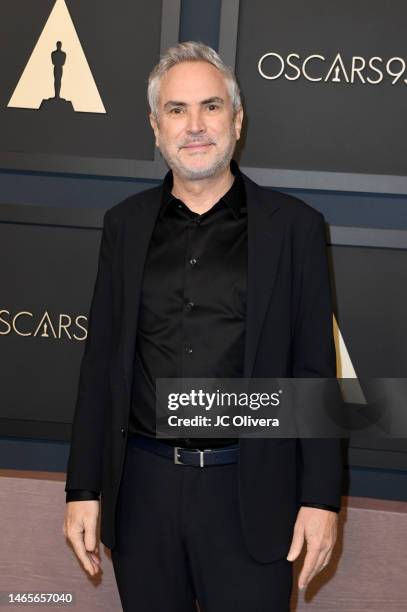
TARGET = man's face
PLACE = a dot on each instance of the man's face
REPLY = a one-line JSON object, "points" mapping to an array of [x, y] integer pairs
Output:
{"points": [[195, 129]]}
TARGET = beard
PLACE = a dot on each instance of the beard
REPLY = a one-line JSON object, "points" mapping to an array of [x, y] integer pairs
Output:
{"points": [[220, 163]]}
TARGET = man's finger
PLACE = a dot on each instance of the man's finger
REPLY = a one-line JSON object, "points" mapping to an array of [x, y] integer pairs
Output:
{"points": [[321, 562], [95, 561], [90, 542], [325, 558], [80, 551], [90, 534], [95, 557], [297, 542], [309, 564]]}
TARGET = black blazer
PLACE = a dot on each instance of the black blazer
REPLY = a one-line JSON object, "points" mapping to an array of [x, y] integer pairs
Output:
{"points": [[288, 333]]}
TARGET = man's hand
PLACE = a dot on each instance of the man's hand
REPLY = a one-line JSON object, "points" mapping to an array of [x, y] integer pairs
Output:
{"points": [[319, 529], [80, 525]]}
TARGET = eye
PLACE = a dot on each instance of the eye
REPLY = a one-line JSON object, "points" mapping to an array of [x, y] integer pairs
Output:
{"points": [[212, 107], [176, 110]]}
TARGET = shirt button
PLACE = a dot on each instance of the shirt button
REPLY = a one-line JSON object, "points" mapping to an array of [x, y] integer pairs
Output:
{"points": [[188, 349], [123, 431], [192, 261], [189, 305]]}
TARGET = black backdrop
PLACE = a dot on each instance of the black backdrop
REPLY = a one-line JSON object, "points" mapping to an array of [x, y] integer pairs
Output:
{"points": [[332, 126]]}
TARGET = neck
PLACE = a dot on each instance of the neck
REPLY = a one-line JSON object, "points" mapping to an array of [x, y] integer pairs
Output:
{"points": [[200, 195]]}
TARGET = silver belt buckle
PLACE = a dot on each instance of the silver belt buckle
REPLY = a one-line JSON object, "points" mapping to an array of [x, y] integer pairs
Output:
{"points": [[179, 462], [176, 458]]}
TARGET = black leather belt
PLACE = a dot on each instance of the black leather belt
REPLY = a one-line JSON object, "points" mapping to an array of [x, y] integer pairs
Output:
{"points": [[186, 456]]}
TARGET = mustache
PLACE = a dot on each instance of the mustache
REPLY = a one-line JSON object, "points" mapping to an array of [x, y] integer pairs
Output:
{"points": [[199, 140]]}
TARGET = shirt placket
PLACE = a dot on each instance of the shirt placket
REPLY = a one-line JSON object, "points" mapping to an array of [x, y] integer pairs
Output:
{"points": [[192, 262]]}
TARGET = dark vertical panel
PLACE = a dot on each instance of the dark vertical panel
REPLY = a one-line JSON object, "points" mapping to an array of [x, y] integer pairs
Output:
{"points": [[200, 21]]}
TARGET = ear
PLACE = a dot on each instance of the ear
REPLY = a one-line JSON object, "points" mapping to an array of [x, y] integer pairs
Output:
{"points": [[154, 125], [238, 121]]}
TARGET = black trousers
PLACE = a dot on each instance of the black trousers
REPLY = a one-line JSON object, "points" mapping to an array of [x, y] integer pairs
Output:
{"points": [[179, 540]]}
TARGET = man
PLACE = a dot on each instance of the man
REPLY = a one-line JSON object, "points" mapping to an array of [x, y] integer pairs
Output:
{"points": [[207, 275]]}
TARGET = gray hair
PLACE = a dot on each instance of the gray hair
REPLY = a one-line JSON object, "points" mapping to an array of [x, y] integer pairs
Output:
{"points": [[190, 51]]}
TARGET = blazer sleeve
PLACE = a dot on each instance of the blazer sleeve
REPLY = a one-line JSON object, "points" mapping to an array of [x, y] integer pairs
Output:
{"points": [[84, 468], [314, 356], [81, 495]]}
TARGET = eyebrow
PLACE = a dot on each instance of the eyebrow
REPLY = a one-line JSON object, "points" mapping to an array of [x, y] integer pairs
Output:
{"points": [[172, 103]]}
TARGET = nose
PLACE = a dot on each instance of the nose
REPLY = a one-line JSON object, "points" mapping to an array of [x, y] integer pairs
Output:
{"points": [[195, 122]]}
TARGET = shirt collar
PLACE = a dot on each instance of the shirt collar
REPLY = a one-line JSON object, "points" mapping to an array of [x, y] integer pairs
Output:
{"points": [[235, 197]]}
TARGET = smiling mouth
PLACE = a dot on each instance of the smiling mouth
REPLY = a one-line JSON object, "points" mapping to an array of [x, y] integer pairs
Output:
{"points": [[197, 146]]}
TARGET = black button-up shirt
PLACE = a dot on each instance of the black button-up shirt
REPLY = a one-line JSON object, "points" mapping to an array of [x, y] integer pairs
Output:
{"points": [[193, 305], [193, 302]]}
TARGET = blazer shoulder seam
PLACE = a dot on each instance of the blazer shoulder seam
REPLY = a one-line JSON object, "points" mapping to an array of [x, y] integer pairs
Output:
{"points": [[126, 206]]}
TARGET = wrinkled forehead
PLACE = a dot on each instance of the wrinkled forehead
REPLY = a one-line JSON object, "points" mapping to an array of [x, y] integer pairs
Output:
{"points": [[193, 82]]}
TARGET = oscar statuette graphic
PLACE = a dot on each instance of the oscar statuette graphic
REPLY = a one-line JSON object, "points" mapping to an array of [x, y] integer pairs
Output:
{"points": [[336, 78], [58, 58], [71, 87]]}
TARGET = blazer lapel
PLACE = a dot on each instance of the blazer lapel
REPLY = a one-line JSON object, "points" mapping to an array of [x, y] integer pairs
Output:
{"points": [[265, 239], [137, 233]]}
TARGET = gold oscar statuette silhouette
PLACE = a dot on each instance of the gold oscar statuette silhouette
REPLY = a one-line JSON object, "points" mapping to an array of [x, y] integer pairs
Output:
{"points": [[45, 333]]}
